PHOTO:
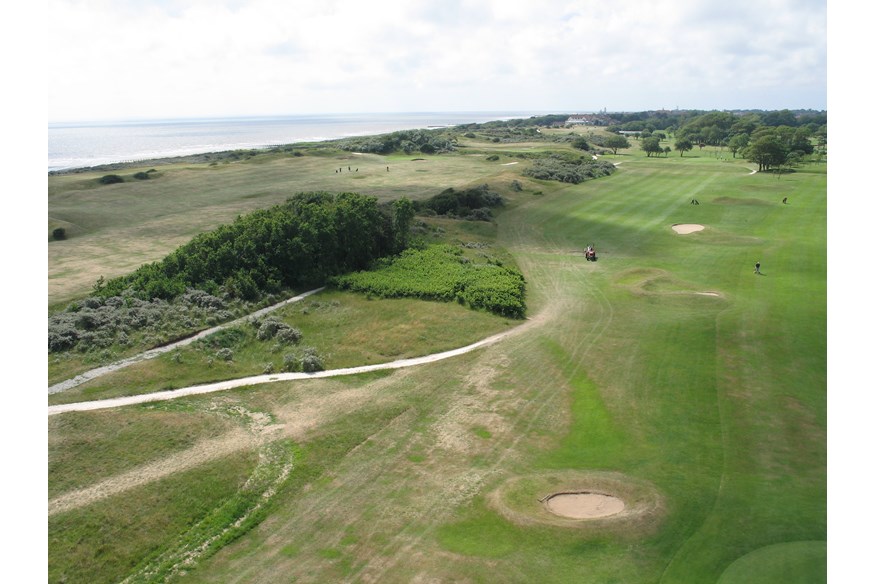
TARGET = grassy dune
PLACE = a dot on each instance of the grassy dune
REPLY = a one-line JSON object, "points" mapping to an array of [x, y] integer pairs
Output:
{"points": [[666, 368]]}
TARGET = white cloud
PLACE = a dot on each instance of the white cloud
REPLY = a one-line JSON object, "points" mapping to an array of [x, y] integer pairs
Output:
{"points": [[175, 58]]}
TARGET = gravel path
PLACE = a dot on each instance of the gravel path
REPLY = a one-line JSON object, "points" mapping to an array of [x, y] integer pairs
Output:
{"points": [[93, 373], [258, 379]]}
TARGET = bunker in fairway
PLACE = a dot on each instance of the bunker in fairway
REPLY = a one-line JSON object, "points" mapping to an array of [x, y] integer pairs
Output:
{"points": [[685, 228], [584, 505]]}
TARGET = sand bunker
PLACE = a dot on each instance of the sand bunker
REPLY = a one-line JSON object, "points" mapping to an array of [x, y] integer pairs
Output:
{"points": [[589, 501], [584, 505], [685, 228]]}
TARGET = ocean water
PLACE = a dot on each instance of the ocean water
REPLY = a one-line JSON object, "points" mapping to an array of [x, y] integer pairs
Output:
{"points": [[81, 145]]}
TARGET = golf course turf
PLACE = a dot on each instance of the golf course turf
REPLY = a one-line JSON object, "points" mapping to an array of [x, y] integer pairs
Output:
{"points": [[667, 375]]}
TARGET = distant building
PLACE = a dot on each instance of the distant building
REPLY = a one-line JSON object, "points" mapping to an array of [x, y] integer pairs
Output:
{"points": [[629, 132], [588, 120]]}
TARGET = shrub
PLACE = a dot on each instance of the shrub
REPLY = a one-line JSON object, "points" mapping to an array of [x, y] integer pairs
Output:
{"points": [[110, 179], [291, 363], [569, 171], [311, 361], [142, 176], [269, 329], [224, 338], [289, 336], [225, 354], [493, 158], [482, 214], [62, 337], [59, 233], [441, 272]]}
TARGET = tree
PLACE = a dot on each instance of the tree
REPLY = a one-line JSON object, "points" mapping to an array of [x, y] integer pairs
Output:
{"points": [[59, 233], [683, 145], [402, 214], [737, 143], [652, 146], [768, 151], [667, 150], [581, 144], [616, 141]]}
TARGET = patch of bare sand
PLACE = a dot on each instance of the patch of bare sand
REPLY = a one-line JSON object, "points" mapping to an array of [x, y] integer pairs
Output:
{"points": [[584, 505], [685, 228]]}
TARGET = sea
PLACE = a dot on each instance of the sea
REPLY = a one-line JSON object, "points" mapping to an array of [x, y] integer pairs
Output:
{"points": [[86, 144]]}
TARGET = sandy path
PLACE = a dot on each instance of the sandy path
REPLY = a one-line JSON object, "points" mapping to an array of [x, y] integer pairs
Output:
{"points": [[194, 456], [293, 421], [152, 353], [258, 379]]}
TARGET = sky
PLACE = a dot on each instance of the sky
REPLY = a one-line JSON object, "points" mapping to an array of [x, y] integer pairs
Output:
{"points": [[141, 59]]}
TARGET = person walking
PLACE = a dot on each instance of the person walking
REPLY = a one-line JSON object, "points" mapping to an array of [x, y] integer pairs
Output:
{"points": [[757, 268]]}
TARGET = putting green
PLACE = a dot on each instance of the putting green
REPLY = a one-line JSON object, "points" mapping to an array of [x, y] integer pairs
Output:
{"points": [[800, 562]]}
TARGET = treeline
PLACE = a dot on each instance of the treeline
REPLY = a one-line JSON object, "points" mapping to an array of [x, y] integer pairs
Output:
{"points": [[568, 170], [473, 204], [542, 121], [304, 241], [672, 121], [407, 141]]}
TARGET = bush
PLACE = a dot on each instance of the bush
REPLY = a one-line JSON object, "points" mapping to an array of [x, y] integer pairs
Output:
{"points": [[310, 361], [269, 328], [569, 171], [224, 338], [142, 176], [482, 214], [110, 179], [59, 233], [225, 354], [289, 336]]}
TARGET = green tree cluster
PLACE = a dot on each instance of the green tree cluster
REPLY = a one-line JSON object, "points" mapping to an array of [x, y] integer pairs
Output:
{"points": [[567, 170], [407, 141], [442, 272], [302, 242], [462, 203]]}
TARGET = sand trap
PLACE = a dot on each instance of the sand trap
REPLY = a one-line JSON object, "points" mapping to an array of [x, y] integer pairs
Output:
{"points": [[685, 228], [584, 505], [708, 294], [509, 163]]}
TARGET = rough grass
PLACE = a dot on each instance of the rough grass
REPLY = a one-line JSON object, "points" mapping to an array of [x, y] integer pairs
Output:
{"points": [[95, 445], [346, 329], [105, 541]]}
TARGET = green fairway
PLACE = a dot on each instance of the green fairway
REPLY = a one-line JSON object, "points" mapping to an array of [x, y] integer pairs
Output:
{"points": [[666, 372]]}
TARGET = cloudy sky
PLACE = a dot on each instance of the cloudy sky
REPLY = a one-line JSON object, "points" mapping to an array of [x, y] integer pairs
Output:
{"points": [[131, 59]]}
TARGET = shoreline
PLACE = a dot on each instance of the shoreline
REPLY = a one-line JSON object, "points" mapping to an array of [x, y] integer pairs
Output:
{"points": [[176, 153]]}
